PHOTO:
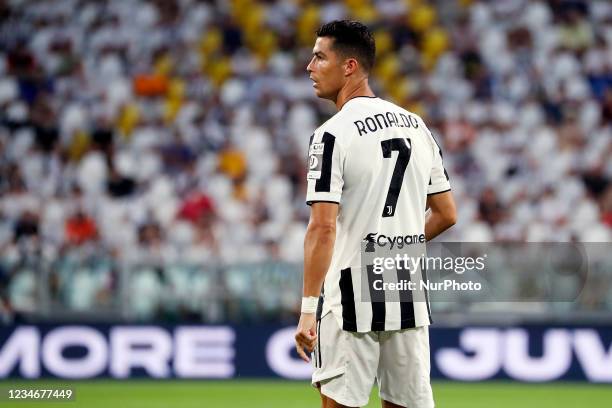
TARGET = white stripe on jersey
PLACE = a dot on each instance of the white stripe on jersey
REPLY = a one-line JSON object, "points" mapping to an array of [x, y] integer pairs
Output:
{"points": [[379, 162]]}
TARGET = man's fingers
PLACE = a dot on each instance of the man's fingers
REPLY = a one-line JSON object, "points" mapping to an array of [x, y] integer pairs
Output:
{"points": [[302, 354], [302, 342], [305, 337], [310, 347], [305, 344]]}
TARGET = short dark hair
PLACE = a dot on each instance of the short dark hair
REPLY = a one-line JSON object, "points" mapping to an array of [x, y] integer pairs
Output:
{"points": [[351, 39]]}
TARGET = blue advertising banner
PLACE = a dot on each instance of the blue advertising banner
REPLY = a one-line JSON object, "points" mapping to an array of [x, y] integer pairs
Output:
{"points": [[525, 353]]}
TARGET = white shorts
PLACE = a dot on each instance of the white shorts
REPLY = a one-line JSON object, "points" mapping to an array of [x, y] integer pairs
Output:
{"points": [[347, 363]]}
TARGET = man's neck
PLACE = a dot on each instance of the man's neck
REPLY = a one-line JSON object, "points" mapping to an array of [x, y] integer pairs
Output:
{"points": [[353, 90]]}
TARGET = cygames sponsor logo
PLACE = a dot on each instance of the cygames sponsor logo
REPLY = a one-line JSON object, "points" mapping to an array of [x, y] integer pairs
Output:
{"points": [[394, 242]]}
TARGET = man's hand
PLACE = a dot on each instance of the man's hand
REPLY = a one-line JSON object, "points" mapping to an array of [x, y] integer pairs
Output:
{"points": [[306, 335]]}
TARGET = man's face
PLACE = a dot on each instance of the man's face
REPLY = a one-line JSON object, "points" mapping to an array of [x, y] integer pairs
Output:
{"points": [[326, 69]]}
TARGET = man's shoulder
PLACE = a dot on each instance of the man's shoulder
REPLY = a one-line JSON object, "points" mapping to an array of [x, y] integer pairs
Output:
{"points": [[344, 119], [369, 104], [337, 125], [405, 111]]}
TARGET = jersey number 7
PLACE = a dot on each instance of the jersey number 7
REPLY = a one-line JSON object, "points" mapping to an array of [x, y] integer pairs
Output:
{"points": [[404, 148]]}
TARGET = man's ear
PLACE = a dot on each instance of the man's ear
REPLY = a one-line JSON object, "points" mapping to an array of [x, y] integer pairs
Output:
{"points": [[350, 65]]}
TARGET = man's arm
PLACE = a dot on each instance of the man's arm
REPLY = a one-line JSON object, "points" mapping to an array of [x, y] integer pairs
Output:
{"points": [[319, 246], [318, 249], [442, 216]]}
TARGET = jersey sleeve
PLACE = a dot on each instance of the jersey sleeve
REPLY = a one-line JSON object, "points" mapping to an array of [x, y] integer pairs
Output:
{"points": [[325, 169], [438, 178]]}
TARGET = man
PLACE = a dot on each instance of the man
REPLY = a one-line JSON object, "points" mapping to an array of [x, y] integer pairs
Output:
{"points": [[373, 169]]}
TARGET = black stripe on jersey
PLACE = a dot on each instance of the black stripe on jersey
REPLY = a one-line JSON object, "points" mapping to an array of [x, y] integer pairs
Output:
{"points": [[311, 202], [324, 182], [439, 192], [377, 299], [443, 168], [407, 317], [318, 317], [319, 345], [436, 142], [347, 299], [309, 145], [320, 304], [441, 155]]}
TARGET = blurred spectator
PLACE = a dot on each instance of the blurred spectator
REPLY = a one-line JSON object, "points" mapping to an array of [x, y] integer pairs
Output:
{"points": [[118, 185], [489, 206], [26, 225], [80, 228], [576, 33], [197, 206]]}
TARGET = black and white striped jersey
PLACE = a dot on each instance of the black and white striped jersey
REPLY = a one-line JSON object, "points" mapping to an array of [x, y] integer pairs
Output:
{"points": [[379, 162]]}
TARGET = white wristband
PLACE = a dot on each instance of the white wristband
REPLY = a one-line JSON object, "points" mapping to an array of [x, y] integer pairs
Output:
{"points": [[309, 304]]}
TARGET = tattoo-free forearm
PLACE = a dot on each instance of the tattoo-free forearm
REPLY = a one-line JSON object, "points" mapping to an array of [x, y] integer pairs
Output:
{"points": [[318, 250], [435, 224]]}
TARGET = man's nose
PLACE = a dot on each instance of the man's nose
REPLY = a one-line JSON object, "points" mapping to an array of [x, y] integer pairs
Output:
{"points": [[309, 67]]}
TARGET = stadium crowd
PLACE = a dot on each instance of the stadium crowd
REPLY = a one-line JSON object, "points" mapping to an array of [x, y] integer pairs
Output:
{"points": [[175, 131]]}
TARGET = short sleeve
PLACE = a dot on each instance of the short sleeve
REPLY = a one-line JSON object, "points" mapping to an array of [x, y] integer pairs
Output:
{"points": [[438, 178], [325, 169]]}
